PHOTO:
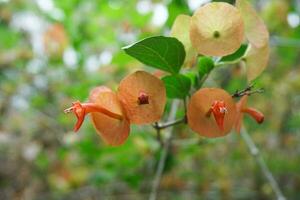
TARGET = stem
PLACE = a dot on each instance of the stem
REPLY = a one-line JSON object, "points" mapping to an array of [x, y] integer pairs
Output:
{"points": [[164, 153], [185, 106], [262, 164], [203, 79], [158, 133], [170, 123]]}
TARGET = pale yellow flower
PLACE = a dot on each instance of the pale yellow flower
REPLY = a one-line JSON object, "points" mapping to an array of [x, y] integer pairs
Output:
{"points": [[217, 29]]}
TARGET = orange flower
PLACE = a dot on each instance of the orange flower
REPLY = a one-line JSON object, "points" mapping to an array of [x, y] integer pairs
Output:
{"points": [[107, 115], [143, 97], [242, 108], [209, 101]]}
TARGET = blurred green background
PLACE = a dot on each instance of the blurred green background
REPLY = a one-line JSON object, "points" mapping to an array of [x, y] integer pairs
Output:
{"points": [[53, 52]]}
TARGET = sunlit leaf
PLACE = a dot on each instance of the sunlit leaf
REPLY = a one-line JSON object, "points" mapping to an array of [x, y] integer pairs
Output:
{"points": [[165, 53]]}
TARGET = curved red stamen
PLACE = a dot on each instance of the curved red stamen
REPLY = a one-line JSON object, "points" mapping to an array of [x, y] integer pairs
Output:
{"points": [[82, 109], [219, 110]]}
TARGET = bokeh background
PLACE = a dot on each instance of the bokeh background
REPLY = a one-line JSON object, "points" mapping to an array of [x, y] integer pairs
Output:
{"points": [[53, 52]]}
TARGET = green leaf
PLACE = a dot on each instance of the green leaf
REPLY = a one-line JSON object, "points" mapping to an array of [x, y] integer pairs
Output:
{"points": [[192, 76], [165, 53], [177, 86], [236, 55], [205, 65]]}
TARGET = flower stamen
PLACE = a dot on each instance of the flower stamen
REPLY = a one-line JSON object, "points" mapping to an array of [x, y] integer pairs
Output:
{"points": [[82, 109], [143, 98], [219, 110]]}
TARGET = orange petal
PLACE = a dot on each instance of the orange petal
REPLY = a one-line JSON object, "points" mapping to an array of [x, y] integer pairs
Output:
{"points": [[113, 131], [255, 29], [129, 90], [200, 103], [240, 115], [256, 60]]}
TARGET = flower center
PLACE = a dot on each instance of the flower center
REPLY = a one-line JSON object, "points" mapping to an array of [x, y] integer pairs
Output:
{"points": [[216, 34], [143, 98], [218, 108]]}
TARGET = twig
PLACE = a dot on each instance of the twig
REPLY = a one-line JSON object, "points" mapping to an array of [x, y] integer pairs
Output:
{"points": [[262, 164], [168, 124], [164, 153], [158, 133], [203, 79], [247, 91], [185, 106], [187, 142]]}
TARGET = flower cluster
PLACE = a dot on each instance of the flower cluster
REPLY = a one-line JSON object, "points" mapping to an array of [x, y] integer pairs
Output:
{"points": [[216, 29]]}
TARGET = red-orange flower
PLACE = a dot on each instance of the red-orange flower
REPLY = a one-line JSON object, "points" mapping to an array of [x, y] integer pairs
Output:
{"points": [[143, 97], [107, 115], [203, 104]]}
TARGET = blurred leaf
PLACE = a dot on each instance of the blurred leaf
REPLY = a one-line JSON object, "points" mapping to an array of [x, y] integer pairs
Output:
{"points": [[42, 161], [175, 8], [9, 38], [165, 53], [236, 55], [178, 86]]}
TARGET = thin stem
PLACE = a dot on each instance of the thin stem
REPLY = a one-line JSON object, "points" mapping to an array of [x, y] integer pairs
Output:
{"points": [[170, 123], [184, 105], [262, 164], [164, 153], [203, 79], [247, 91], [158, 133]]}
